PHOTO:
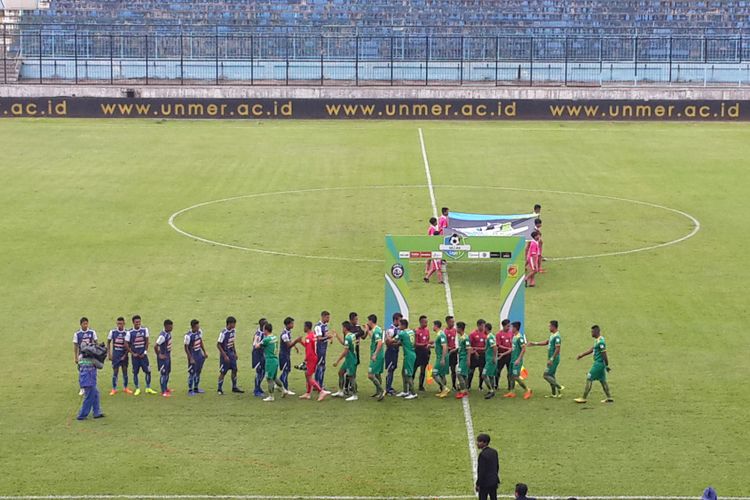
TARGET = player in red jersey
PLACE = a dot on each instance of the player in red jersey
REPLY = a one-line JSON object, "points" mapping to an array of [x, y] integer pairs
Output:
{"points": [[532, 259], [504, 340], [311, 363], [434, 265]]}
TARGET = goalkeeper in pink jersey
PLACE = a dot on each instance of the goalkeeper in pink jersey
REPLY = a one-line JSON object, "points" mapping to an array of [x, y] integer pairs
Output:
{"points": [[532, 259], [434, 265]]}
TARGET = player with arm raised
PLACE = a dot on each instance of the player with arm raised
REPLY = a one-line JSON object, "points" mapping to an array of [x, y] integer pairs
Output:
{"points": [[118, 355], [163, 352], [504, 340], [553, 358], [377, 356], [348, 371], [270, 345], [285, 352], [311, 363], [228, 355], [489, 372], [516, 362], [441, 368], [600, 367], [322, 339]]}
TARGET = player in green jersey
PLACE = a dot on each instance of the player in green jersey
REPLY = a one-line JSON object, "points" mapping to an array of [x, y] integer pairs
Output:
{"points": [[463, 346], [516, 362], [442, 366], [348, 371], [377, 356], [270, 345], [553, 359], [490, 362], [600, 367], [405, 338]]}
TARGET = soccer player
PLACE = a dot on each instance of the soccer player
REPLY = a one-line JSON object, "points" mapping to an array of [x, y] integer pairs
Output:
{"points": [[405, 337], [440, 370], [136, 343], [537, 210], [311, 363], [538, 227], [322, 339], [504, 340], [163, 351], [489, 372], [450, 334], [464, 353], [118, 355], [478, 340], [197, 355], [600, 367], [391, 353], [443, 220], [516, 362], [348, 371], [82, 337], [285, 353], [259, 360], [553, 359], [270, 345], [377, 356], [433, 266], [228, 355], [532, 259], [422, 349]]}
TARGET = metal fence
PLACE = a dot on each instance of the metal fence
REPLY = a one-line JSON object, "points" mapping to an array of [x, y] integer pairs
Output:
{"points": [[152, 58]]}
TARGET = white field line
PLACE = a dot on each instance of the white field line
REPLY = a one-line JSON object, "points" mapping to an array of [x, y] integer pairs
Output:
{"points": [[323, 497], [449, 300], [174, 216]]}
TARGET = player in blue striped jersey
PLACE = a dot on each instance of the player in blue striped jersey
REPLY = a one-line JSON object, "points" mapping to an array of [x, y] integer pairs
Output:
{"points": [[197, 355], [163, 351], [228, 355], [323, 337], [285, 352], [259, 360], [136, 342], [82, 337], [118, 355]]}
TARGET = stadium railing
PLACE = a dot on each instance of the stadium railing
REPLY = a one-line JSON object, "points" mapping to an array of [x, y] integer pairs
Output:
{"points": [[96, 54]]}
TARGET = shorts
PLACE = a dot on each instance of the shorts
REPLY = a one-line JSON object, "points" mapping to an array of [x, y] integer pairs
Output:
{"points": [[285, 365], [551, 370], [532, 262], [376, 367], [453, 359], [503, 362], [515, 369], [272, 369], [164, 365], [463, 368], [391, 359], [441, 370], [141, 364], [598, 372], [259, 360], [231, 365], [423, 357], [311, 365], [120, 358], [409, 365], [349, 368], [490, 369]]}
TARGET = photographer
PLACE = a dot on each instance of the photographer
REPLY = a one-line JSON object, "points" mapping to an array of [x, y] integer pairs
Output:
{"points": [[91, 359]]}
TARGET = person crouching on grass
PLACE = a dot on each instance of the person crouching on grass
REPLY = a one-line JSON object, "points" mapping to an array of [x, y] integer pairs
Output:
{"points": [[434, 265]]}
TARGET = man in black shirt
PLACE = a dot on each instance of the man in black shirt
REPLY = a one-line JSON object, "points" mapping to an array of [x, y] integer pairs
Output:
{"points": [[357, 331], [488, 469]]}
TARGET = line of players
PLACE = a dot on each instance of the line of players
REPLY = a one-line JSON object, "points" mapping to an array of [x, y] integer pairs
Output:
{"points": [[457, 353]]}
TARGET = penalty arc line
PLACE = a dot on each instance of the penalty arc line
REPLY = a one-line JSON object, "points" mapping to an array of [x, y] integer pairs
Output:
{"points": [[449, 300]]}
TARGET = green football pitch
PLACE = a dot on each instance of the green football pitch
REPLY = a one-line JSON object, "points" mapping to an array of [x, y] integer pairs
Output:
{"points": [[85, 209]]}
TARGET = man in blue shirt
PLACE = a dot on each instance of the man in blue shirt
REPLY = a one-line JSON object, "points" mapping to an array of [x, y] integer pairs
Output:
{"points": [[197, 355], [228, 355], [163, 351], [323, 338], [136, 342], [285, 352], [259, 360]]}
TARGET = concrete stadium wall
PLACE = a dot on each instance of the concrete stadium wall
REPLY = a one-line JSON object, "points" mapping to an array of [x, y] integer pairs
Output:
{"points": [[350, 92]]}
